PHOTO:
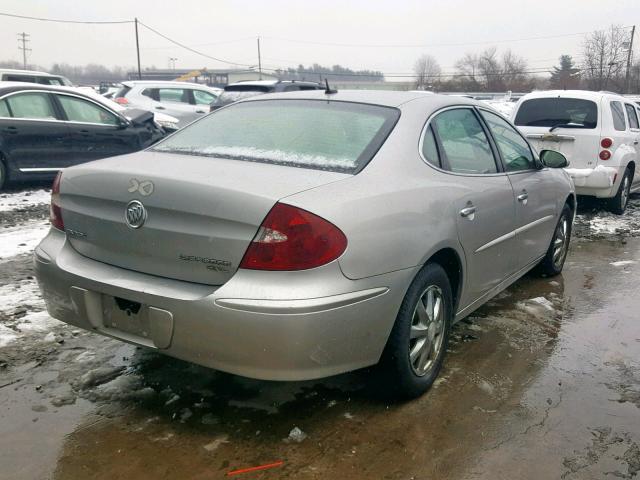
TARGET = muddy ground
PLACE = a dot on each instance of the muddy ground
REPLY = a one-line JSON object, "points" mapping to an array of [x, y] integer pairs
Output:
{"points": [[541, 383]]}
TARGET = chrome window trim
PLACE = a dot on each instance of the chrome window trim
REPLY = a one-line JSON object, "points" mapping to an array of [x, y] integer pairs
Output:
{"points": [[69, 94], [39, 169], [449, 172]]}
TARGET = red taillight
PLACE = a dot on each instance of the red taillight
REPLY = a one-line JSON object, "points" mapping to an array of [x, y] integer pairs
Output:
{"points": [[122, 101], [605, 155], [55, 213], [606, 142], [293, 239]]}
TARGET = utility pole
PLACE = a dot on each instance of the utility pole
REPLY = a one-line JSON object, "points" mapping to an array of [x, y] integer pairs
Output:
{"points": [[23, 37], [259, 59], [629, 52], [172, 63], [138, 50]]}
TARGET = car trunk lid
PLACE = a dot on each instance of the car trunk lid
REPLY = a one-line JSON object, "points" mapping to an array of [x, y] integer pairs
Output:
{"points": [[201, 213]]}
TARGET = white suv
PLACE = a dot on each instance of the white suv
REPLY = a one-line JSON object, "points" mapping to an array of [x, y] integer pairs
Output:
{"points": [[598, 132], [185, 101]]}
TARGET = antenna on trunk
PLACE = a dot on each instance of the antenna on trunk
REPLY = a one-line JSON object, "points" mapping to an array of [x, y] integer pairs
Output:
{"points": [[328, 90]]}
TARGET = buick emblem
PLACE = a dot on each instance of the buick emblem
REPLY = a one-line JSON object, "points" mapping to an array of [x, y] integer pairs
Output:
{"points": [[135, 214]]}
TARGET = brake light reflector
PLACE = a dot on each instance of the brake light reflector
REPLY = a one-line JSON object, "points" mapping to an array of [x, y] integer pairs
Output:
{"points": [[55, 212], [121, 101], [606, 142], [605, 155], [293, 239]]}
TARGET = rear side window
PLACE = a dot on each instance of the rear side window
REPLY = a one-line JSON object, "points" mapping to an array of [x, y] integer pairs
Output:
{"points": [[633, 117], [20, 78], [177, 95], [617, 113], [465, 146], [551, 112], [49, 81], [34, 105], [203, 98], [335, 136]]}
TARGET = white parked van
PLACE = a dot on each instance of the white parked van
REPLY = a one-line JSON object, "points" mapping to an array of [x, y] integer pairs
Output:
{"points": [[598, 132], [32, 76]]}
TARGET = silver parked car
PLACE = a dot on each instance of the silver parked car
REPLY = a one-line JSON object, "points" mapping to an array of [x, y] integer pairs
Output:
{"points": [[185, 101], [300, 235]]}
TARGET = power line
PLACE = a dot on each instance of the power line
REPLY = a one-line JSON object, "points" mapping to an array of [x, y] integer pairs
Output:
{"points": [[186, 47], [57, 20]]}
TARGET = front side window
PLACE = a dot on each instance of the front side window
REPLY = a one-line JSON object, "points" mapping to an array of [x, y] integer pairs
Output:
{"points": [[617, 113], [465, 146], [4, 109], [514, 149], [203, 98], [49, 81], [633, 117], [557, 112], [34, 105], [335, 136], [79, 110]]}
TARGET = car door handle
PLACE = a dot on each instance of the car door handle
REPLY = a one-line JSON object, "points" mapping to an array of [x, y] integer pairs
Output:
{"points": [[160, 107], [200, 111], [636, 142], [12, 130], [523, 197], [468, 212]]}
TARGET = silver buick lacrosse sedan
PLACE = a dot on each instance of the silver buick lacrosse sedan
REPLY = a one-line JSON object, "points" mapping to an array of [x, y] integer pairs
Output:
{"points": [[300, 235]]}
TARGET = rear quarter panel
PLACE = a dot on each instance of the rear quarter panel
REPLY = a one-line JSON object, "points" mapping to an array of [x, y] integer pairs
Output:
{"points": [[397, 212]]}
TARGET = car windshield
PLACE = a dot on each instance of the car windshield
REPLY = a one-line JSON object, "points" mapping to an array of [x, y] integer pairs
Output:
{"points": [[336, 136], [553, 112]]}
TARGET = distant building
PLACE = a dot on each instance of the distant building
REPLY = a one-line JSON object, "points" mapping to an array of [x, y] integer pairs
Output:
{"points": [[212, 77]]}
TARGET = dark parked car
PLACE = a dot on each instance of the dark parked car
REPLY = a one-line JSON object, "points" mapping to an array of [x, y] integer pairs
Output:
{"points": [[238, 91], [44, 129]]}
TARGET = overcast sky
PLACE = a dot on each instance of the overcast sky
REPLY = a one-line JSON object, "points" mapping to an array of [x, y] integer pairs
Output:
{"points": [[396, 32]]}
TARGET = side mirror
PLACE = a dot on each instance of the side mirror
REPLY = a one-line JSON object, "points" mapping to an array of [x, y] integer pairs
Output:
{"points": [[553, 159]]}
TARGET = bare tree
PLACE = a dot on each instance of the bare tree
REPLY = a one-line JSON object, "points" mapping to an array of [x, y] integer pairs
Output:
{"points": [[490, 68], [514, 72], [427, 70], [468, 68], [604, 55]]}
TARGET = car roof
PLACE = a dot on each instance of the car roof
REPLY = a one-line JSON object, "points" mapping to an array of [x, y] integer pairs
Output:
{"points": [[581, 94], [270, 83], [130, 83], [27, 72], [387, 98], [8, 87]]}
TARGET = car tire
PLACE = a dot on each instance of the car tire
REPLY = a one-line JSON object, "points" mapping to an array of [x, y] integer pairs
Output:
{"points": [[3, 173], [618, 204], [553, 261], [409, 366]]}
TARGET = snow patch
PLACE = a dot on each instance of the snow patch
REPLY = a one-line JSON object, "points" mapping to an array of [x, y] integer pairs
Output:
{"points": [[21, 239], [15, 201], [622, 263], [215, 444], [296, 435]]}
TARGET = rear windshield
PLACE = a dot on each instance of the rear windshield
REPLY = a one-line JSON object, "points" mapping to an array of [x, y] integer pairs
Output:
{"points": [[122, 92], [551, 112], [335, 136]]}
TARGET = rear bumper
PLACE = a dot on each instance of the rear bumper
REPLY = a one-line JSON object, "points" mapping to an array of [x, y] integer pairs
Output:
{"points": [[266, 325], [601, 182]]}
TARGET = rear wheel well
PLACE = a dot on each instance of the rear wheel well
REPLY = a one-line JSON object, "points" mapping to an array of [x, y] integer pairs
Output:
{"points": [[571, 201], [632, 168], [448, 259]]}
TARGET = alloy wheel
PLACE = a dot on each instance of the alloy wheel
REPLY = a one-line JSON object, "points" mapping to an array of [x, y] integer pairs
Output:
{"points": [[560, 242], [624, 195], [427, 330]]}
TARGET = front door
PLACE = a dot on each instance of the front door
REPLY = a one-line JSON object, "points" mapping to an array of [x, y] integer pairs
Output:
{"points": [[33, 137], [95, 132], [484, 210], [536, 199]]}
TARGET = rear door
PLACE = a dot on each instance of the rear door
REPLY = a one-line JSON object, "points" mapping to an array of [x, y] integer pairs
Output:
{"points": [[201, 101], [634, 128], [565, 124], [175, 102], [95, 132], [536, 197], [34, 138], [486, 212]]}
